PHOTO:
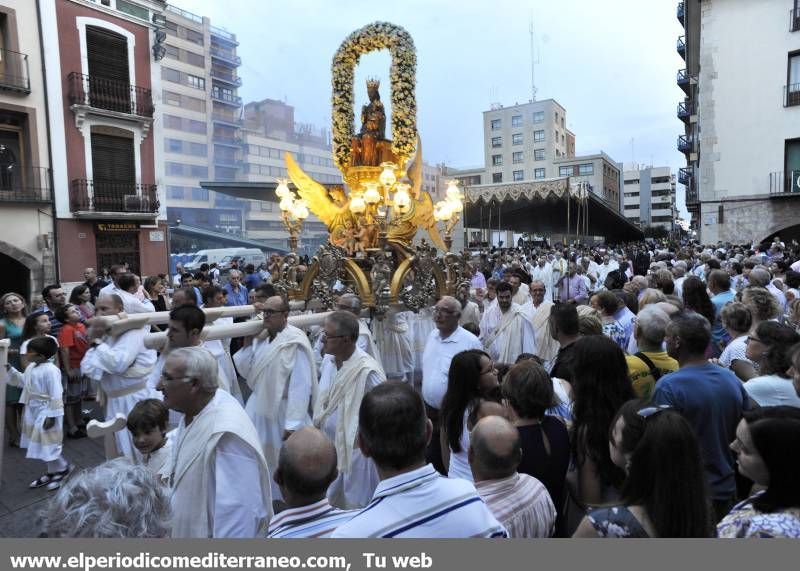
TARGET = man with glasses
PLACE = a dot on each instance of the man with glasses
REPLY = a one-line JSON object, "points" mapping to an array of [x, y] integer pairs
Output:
{"points": [[710, 397], [538, 311], [219, 479], [279, 367], [347, 374], [351, 303], [443, 343], [506, 331]]}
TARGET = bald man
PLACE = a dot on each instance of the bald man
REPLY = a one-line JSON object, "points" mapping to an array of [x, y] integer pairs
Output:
{"points": [[443, 343], [279, 367], [306, 467], [519, 502]]}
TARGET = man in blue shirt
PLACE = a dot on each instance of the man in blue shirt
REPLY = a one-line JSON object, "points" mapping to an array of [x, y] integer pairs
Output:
{"points": [[251, 278], [235, 291], [719, 284], [710, 397]]}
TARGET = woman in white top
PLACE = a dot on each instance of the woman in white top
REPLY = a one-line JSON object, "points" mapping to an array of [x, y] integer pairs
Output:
{"points": [[737, 321], [472, 392], [769, 347]]}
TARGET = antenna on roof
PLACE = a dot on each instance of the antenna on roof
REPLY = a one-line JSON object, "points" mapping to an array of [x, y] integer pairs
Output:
{"points": [[533, 61]]}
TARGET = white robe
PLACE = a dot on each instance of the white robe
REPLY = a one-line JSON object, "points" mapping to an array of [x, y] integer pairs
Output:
{"points": [[522, 295], [220, 481], [544, 275], [121, 366], [366, 342], [546, 346], [41, 395], [355, 484], [391, 338], [507, 335], [295, 401], [471, 313]]}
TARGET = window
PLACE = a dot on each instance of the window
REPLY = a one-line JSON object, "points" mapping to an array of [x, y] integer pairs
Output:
{"points": [[199, 194], [538, 117], [194, 37], [558, 153], [516, 121], [586, 169], [516, 139], [793, 89], [556, 134], [173, 145], [174, 169], [196, 82], [172, 75], [495, 124], [538, 136], [198, 171], [631, 207], [195, 59], [172, 51], [196, 126], [171, 98], [538, 173], [175, 192], [497, 177], [565, 171], [562, 122], [497, 142], [517, 157], [518, 175], [497, 160], [538, 154], [198, 149], [556, 117]]}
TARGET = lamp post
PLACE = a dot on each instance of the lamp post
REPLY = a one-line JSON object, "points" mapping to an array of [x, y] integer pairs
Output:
{"points": [[448, 211], [294, 211]]}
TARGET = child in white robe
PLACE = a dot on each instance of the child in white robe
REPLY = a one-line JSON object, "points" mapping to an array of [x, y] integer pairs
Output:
{"points": [[147, 423], [42, 421]]}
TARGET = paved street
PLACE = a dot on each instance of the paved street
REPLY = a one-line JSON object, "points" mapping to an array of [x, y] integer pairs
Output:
{"points": [[19, 505]]}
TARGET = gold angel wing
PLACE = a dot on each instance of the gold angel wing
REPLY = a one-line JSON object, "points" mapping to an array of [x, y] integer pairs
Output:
{"points": [[425, 219], [315, 194], [415, 171]]}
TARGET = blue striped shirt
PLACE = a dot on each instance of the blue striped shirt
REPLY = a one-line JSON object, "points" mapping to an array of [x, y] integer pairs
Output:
{"points": [[314, 520], [422, 503]]}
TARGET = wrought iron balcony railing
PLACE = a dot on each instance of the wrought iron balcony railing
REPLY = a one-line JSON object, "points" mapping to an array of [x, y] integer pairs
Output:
{"points": [[685, 144], [681, 47], [681, 12], [220, 118], [225, 56], [685, 110], [685, 175], [226, 77], [791, 95], [110, 94], [794, 20], [784, 184], [226, 98], [25, 184], [14, 74], [113, 196]]}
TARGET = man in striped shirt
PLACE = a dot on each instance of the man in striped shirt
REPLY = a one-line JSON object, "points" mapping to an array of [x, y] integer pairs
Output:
{"points": [[412, 499], [519, 501], [306, 467]]}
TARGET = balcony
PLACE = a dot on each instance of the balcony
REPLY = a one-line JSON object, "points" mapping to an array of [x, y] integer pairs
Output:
{"points": [[681, 47], [684, 80], [226, 161], [791, 95], [113, 199], [685, 111], [794, 20], [782, 185], [225, 56], [681, 12], [685, 176], [14, 75], [111, 98], [226, 77], [226, 140], [226, 120], [221, 34], [226, 98], [31, 185], [685, 144]]}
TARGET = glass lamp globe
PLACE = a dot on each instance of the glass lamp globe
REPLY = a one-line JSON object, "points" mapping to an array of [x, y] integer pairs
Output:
{"points": [[357, 205], [371, 195], [387, 177]]}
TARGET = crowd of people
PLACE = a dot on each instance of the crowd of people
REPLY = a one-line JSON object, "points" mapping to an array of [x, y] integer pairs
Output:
{"points": [[640, 390]]}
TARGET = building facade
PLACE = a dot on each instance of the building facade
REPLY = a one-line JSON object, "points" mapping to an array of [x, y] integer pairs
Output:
{"points": [[522, 142], [101, 76], [649, 196], [741, 118], [599, 171], [27, 254]]}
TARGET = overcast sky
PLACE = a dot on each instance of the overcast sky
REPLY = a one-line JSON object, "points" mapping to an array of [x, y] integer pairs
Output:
{"points": [[611, 64]]}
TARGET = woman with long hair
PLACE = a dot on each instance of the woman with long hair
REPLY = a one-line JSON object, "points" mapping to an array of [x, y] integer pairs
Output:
{"points": [[763, 307], [155, 291], [600, 386], [472, 392], [769, 348], [695, 298], [665, 493], [766, 446], [13, 310], [80, 297]]}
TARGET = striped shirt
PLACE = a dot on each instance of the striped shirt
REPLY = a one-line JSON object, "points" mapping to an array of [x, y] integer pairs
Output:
{"points": [[314, 520], [521, 503], [423, 504]]}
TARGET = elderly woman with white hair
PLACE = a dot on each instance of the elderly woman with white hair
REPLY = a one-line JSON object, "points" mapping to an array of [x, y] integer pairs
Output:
{"points": [[114, 499]]}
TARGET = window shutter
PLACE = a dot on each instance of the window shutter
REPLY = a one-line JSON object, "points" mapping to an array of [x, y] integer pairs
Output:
{"points": [[108, 54]]}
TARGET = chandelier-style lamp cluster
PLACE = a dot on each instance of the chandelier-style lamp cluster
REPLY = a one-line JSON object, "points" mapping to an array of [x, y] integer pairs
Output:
{"points": [[293, 209], [449, 210]]}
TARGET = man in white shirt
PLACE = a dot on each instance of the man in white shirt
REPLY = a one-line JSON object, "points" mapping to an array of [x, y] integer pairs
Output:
{"points": [[442, 345], [520, 502], [605, 268], [279, 368], [127, 286], [348, 373], [506, 331], [219, 478], [679, 272], [412, 499]]}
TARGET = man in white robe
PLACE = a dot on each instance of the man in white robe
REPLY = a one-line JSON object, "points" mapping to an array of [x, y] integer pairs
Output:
{"points": [[219, 477], [348, 373], [519, 291], [506, 330], [543, 272], [539, 314], [366, 342], [470, 312], [120, 366], [279, 367]]}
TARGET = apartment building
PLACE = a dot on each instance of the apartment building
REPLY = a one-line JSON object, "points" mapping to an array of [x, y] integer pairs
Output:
{"points": [[27, 255], [649, 196], [599, 171], [522, 142], [101, 76], [741, 118]]}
